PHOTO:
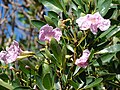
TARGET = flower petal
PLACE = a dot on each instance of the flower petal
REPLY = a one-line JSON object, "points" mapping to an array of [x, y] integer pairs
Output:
{"points": [[94, 29], [104, 25], [82, 61], [47, 32]]}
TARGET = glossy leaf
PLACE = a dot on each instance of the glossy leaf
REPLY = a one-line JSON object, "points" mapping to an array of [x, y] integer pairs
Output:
{"points": [[114, 84], [57, 3], [70, 48], [47, 81], [22, 67], [80, 3], [46, 69], [91, 54], [111, 49], [39, 83], [4, 77], [63, 54], [107, 57], [49, 21], [113, 32], [76, 70], [104, 7], [51, 6], [38, 23], [41, 42], [107, 31], [50, 56], [53, 14], [23, 63], [79, 34], [56, 49], [22, 88], [74, 84], [94, 83], [6, 85]]}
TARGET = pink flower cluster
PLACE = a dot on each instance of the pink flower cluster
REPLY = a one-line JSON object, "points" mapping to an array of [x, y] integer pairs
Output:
{"points": [[82, 61], [93, 22], [11, 53], [47, 32]]}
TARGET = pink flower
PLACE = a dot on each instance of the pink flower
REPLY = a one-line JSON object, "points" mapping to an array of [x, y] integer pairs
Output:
{"points": [[82, 61], [11, 53], [93, 22], [47, 32], [2, 54]]}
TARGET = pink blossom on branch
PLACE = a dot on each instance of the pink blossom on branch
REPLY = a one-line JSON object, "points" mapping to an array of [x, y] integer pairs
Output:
{"points": [[93, 22], [11, 53], [82, 61], [47, 32]]}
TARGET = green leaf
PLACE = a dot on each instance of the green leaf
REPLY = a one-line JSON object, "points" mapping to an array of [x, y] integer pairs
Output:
{"points": [[79, 2], [81, 6], [76, 70], [74, 84], [38, 23], [64, 78], [39, 83], [54, 17], [54, 5], [53, 14], [23, 63], [63, 54], [113, 32], [104, 59], [95, 83], [107, 57], [79, 34], [41, 42], [99, 3], [22, 67], [50, 56], [89, 79], [46, 69], [4, 77], [118, 55], [109, 76], [103, 9], [114, 84], [107, 31], [116, 1], [47, 81], [91, 54], [6, 85], [49, 21], [56, 49], [70, 48], [111, 49], [22, 88], [57, 3]]}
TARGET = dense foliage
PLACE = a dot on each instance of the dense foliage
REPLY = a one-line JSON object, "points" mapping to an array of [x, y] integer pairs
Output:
{"points": [[59, 51]]}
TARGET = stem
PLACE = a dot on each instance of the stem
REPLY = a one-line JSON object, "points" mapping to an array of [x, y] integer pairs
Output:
{"points": [[82, 38]]}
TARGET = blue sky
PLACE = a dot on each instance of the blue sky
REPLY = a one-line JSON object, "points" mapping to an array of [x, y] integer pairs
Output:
{"points": [[20, 34], [17, 32]]}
